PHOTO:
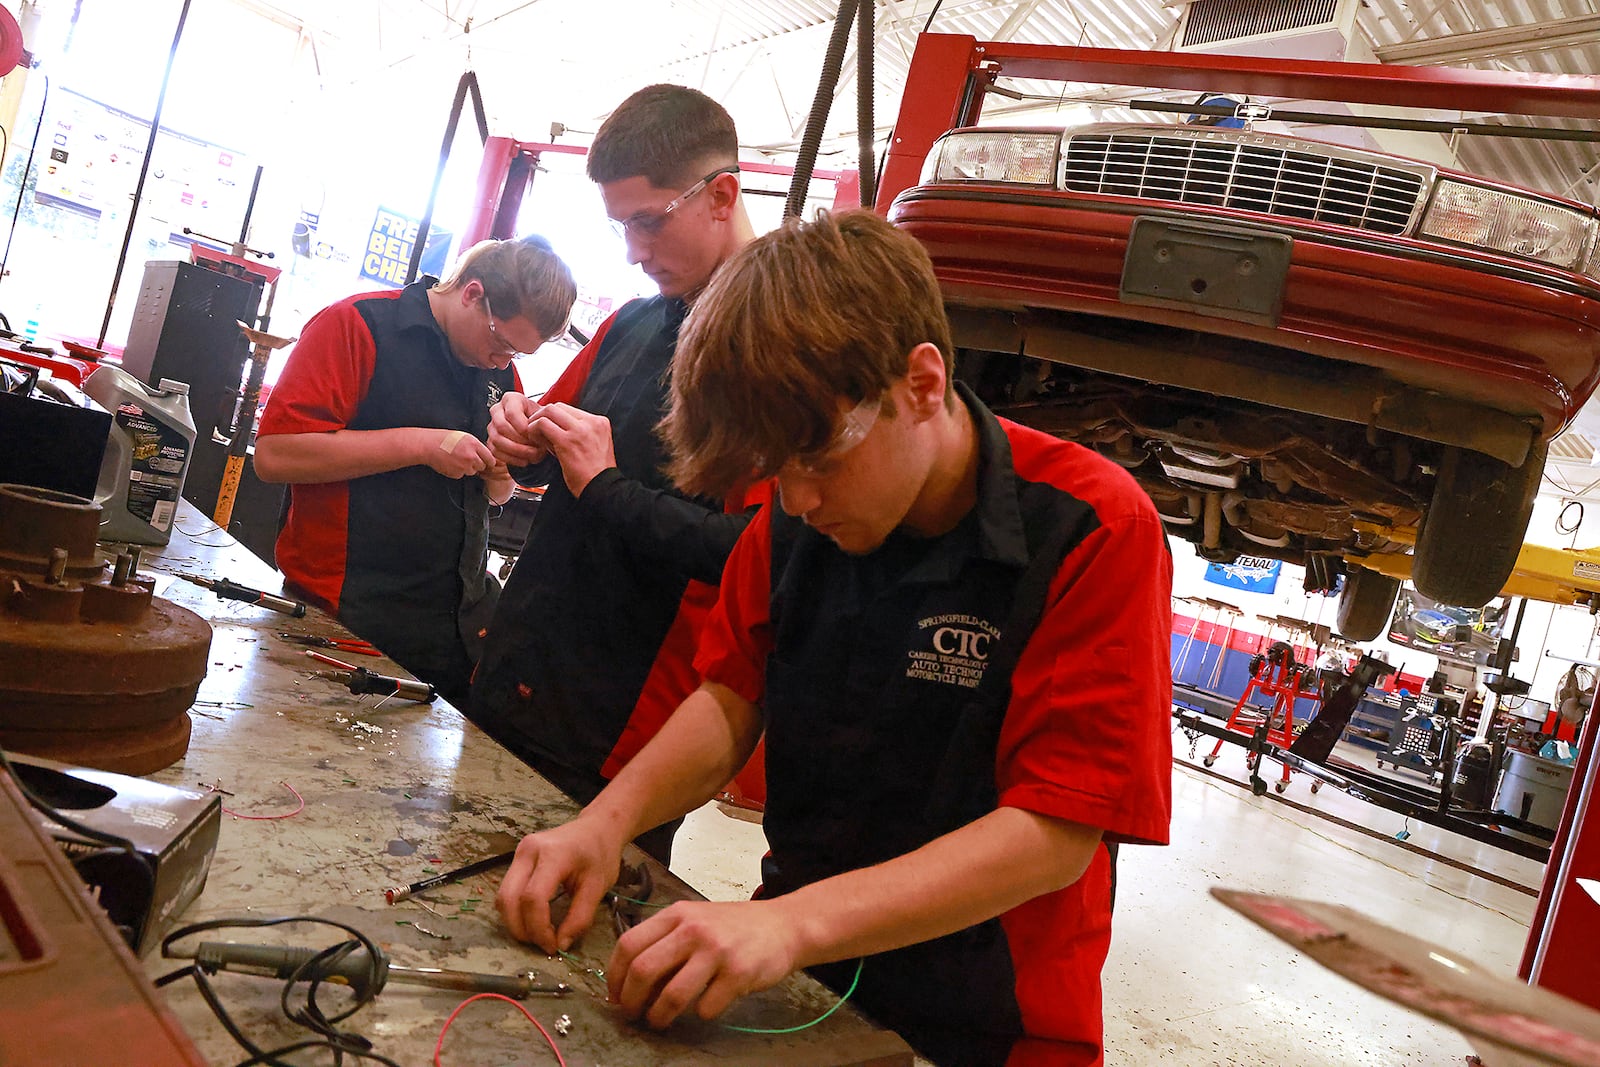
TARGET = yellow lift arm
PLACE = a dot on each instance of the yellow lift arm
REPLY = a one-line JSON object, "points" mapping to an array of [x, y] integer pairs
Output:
{"points": [[1554, 575]]}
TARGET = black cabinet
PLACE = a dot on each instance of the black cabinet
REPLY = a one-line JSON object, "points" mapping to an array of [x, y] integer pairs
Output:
{"points": [[186, 327]]}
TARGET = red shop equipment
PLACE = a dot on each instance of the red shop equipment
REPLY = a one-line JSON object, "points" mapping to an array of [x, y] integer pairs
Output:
{"points": [[1275, 674]]}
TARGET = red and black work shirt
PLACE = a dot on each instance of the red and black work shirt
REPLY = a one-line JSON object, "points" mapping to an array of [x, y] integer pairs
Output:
{"points": [[591, 647], [398, 556], [1022, 659]]}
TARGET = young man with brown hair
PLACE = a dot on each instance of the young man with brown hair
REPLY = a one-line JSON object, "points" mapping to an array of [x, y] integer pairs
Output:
{"points": [[590, 649], [378, 423], [955, 634]]}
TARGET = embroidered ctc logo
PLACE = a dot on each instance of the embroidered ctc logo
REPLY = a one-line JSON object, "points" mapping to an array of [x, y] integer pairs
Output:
{"points": [[968, 644]]}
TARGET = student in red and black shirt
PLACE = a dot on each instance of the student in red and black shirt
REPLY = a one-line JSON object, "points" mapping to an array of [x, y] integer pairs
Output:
{"points": [[955, 634], [591, 647], [378, 422]]}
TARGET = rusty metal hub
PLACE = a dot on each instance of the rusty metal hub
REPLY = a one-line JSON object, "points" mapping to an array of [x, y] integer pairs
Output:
{"points": [[94, 669]]}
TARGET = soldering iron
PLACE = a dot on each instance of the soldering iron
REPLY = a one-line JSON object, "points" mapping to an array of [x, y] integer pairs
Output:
{"points": [[234, 591], [365, 977]]}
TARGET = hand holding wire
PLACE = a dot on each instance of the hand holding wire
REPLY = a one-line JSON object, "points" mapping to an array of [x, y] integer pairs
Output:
{"points": [[512, 438], [456, 454], [574, 858], [580, 439], [700, 956]]}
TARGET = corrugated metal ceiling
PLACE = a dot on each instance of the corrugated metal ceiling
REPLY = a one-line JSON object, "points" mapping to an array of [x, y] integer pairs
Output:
{"points": [[763, 57], [574, 59], [789, 36]]}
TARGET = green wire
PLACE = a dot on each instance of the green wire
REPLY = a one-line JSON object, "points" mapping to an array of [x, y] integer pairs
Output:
{"points": [[570, 958], [641, 903], [576, 962], [805, 1026]]}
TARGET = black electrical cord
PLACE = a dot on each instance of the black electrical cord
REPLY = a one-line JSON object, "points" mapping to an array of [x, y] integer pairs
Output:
{"points": [[5, 146], [311, 1016], [1565, 527], [44, 808], [22, 182], [865, 124], [144, 171], [937, 5]]}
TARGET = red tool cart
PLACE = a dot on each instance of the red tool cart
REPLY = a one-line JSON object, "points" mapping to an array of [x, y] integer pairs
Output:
{"points": [[1277, 675]]}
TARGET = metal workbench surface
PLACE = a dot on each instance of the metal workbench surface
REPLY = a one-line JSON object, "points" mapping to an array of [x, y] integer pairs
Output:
{"points": [[391, 794]]}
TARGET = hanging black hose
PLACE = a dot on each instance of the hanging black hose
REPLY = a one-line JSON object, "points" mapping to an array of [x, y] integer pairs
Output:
{"points": [[811, 140], [22, 182], [865, 128], [144, 169], [468, 84]]}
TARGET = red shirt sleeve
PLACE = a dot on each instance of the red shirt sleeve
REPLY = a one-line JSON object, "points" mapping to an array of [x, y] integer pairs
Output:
{"points": [[1087, 736], [326, 376], [737, 636]]}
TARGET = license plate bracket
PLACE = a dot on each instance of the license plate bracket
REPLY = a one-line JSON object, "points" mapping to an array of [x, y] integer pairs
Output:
{"points": [[1210, 269]]}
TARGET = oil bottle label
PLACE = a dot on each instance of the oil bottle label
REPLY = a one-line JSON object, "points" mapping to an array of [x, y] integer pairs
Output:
{"points": [[155, 474]]}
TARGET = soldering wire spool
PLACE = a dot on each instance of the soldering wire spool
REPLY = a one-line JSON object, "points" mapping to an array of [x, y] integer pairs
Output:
{"points": [[94, 671]]}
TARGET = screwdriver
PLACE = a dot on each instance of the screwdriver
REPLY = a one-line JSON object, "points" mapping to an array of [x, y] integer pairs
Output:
{"points": [[233, 591], [356, 970]]}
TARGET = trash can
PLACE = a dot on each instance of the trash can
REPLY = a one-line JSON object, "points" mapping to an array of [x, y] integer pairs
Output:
{"points": [[1533, 789]]}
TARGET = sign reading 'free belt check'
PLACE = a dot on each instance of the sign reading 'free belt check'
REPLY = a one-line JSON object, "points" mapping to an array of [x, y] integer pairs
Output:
{"points": [[390, 244]]}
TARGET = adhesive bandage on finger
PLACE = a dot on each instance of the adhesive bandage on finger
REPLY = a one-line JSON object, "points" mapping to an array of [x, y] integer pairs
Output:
{"points": [[449, 441]]}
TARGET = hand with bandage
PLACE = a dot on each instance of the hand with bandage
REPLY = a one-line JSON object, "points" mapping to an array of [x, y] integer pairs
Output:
{"points": [[454, 453]]}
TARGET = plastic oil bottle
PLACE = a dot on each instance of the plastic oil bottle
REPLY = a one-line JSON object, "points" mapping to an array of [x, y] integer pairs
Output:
{"points": [[147, 456]]}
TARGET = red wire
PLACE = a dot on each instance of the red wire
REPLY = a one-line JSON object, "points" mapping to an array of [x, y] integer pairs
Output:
{"points": [[439, 1047], [319, 657], [286, 815]]}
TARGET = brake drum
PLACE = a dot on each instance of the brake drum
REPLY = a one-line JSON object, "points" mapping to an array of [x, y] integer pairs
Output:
{"points": [[94, 669]]}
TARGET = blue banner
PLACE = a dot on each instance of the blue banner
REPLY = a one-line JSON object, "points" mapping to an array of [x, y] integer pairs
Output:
{"points": [[389, 245], [1252, 574]]}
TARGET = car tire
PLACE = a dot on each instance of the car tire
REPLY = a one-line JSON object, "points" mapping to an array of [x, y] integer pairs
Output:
{"points": [[1474, 526], [1365, 604]]}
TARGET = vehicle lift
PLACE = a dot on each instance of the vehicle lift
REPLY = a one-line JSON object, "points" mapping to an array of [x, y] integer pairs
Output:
{"points": [[949, 76]]}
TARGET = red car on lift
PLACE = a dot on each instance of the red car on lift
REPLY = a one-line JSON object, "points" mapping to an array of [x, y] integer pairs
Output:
{"points": [[1299, 349]]}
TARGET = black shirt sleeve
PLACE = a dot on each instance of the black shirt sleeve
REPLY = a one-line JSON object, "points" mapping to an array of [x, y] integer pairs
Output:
{"points": [[537, 474], [683, 534]]}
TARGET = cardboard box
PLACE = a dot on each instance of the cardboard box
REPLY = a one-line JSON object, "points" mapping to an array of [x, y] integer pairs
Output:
{"points": [[174, 830]]}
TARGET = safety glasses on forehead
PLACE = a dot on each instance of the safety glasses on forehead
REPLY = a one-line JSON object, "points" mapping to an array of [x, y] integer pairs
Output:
{"points": [[648, 224]]}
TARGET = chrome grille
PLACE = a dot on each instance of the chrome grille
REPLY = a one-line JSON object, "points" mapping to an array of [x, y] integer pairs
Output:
{"points": [[1262, 178]]}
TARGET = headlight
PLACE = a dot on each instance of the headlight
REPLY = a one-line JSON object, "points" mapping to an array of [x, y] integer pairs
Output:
{"points": [[994, 156], [1504, 222]]}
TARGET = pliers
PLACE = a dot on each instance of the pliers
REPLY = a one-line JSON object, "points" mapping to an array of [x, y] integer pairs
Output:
{"points": [[352, 645]]}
